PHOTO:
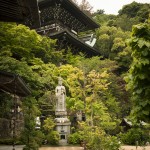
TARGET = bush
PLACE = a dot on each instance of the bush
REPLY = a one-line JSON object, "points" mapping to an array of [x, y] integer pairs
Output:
{"points": [[133, 135], [53, 138], [32, 141], [10, 141], [111, 143], [95, 138], [39, 137], [74, 138], [31, 147], [6, 141]]}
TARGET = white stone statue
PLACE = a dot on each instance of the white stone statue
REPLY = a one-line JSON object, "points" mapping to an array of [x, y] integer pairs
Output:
{"points": [[60, 92]]}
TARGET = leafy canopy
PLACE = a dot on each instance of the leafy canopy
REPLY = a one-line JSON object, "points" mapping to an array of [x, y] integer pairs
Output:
{"points": [[138, 76]]}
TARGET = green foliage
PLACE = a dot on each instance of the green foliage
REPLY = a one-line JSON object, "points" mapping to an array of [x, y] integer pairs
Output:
{"points": [[139, 10], [39, 137], [92, 136], [32, 146], [110, 98], [26, 44], [133, 135], [103, 19], [30, 136], [112, 143], [91, 83], [111, 42], [69, 58], [53, 138], [5, 105], [124, 22], [6, 141], [96, 138], [138, 77], [75, 138], [48, 124], [87, 91]]}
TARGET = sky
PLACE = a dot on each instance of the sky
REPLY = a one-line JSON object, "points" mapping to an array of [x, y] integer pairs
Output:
{"points": [[112, 6]]}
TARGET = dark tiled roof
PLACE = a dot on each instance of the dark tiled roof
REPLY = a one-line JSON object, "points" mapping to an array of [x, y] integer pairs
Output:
{"points": [[75, 41], [72, 9], [13, 84]]}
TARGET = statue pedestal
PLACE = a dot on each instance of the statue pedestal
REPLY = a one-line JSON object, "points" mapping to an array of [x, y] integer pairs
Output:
{"points": [[60, 113], [63, 127]]}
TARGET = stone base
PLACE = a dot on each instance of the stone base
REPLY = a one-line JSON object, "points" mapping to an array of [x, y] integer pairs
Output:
{"points": [[63, 128], [63, 142], [60, 113], [62, 121]]}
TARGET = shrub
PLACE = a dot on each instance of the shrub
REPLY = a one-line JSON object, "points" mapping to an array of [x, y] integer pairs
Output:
{"points": [[39, 137], [75, 138], [10, 141], [111, 143], [133, 135], [6, 141], [95, 138], [53, 138], [32, 146]]}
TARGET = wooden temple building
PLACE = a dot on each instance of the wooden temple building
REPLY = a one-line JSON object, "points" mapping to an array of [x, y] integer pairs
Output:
{"points": [[64, 21], [20, 11], [11, 122], [57, 19]]}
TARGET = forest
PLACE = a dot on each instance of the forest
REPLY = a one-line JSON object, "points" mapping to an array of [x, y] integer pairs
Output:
{"points": [[105, 88]]}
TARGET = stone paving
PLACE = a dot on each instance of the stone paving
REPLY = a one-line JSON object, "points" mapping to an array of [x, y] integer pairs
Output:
{"points": [[134, 148], [42, 148], [8, 147], [61, 148]]}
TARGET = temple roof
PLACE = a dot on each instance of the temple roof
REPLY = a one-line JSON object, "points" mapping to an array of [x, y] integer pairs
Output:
{"points": [[13, 84], [66, 12], [63, 11], [125, 122], [20, 11], [69, 39]]}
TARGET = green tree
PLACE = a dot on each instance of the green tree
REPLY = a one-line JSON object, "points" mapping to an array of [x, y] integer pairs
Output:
{"points": [[30, 135], [111, 42], [124, 22], [136, 10], [28, 54], [103, 19], [138, 76], [26, 44]]}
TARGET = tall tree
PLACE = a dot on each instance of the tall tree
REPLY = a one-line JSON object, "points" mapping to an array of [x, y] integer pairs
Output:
{"points": [[136, 10], [138, 77]]}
